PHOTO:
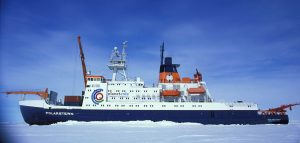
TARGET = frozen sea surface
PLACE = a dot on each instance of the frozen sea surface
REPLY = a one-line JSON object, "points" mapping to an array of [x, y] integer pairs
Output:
{"points": [[149, 132]]}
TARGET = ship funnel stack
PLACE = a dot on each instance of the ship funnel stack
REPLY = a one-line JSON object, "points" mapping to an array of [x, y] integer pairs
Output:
{"points": [[168, 71], [117, 63]]}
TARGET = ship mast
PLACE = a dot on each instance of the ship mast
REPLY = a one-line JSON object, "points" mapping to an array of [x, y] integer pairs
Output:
{"points": [[162, 49], [117, 63]]}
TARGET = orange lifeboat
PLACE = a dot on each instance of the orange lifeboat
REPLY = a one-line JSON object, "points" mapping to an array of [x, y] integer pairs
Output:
{"points": [[186, 80], [170, 93], [199, 90]]}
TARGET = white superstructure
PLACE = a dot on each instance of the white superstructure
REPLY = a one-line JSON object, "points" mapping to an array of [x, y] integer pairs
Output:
{"points": [[122, 93]]}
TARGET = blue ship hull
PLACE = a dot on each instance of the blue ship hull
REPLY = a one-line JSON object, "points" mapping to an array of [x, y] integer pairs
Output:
{"points": [[41, 116]]}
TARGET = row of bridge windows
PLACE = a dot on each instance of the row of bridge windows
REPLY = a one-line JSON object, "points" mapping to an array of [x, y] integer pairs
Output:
{"points": [[139, 84]]}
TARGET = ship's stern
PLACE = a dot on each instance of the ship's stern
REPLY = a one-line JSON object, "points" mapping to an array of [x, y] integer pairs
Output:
{"points": [[275, 119]]}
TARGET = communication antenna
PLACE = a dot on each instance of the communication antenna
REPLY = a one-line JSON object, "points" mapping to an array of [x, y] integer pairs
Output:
{"points": [[162, 49]]}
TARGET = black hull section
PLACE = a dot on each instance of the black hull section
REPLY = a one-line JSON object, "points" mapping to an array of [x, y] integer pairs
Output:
{"points": [[40, 116]]}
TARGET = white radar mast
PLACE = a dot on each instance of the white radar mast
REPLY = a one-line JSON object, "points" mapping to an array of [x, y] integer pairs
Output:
{"points": [[117, 63]]}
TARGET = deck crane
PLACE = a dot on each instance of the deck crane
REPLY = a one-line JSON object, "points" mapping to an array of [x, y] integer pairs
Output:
{"points": [[43, 94], [82, 61], [279, 110]]}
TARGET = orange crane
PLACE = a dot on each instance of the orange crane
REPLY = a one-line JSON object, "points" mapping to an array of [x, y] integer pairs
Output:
{"points": [[82, 60], [198, 76], [279, 110], [43, 94]]}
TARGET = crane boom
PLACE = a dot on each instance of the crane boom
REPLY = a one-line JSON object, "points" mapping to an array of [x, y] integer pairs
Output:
{"points": [[42, 94], [82, 61], [279, 110]]}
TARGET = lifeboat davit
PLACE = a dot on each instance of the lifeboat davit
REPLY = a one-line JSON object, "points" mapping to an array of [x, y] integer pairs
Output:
{"points": [[198, 90], [170, 93]]}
